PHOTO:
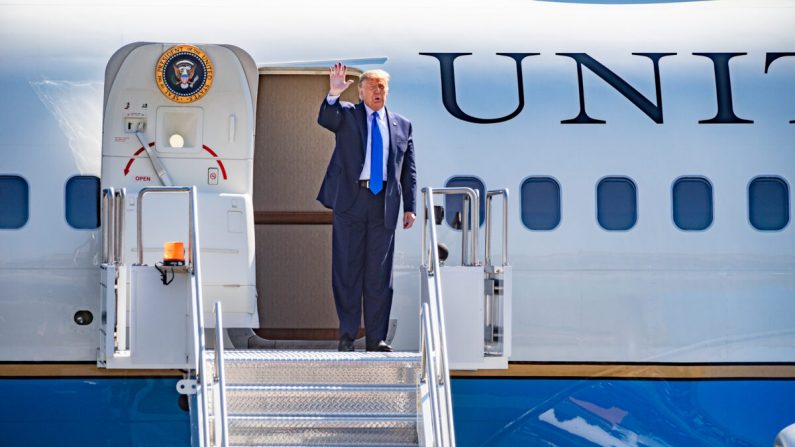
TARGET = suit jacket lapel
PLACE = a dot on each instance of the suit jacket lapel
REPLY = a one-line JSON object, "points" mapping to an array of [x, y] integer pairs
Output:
{"points": [[390, 159], [362, 127]]}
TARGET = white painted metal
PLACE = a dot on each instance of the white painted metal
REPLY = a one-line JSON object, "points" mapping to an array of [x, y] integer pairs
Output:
{"points": [[464, 315], [159, 323], [466, 304], [107, 328], [226, 212]]}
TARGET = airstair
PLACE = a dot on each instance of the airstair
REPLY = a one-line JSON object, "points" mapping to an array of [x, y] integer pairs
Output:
{"points": [[151, 320]]}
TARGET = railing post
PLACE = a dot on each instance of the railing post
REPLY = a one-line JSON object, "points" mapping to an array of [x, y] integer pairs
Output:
{"points": [[489, 195], [108, 225], [437, 367], [219, 371], [120, 199]]}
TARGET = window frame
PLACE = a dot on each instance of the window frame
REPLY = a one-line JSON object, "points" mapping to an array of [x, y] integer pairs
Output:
{"points": [[637, 206], [27, 201], [711, 198], [66, 201], [783, 181], [521, 200]]}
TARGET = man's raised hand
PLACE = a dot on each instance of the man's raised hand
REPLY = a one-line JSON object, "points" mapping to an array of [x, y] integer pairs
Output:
{"points": [[337, 82]]}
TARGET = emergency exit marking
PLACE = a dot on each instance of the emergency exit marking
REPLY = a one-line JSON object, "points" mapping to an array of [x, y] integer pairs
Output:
{"points": [[212, 176]]}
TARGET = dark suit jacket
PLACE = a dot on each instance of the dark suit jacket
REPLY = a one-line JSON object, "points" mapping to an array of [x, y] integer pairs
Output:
{"points": [[341, 183]]}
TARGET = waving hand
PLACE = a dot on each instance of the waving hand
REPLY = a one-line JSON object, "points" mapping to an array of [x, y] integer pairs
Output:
{"points": [[337, 82]]}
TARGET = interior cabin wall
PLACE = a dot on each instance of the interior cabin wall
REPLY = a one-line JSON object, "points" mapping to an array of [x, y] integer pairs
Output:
{"points": [[293, 231]]}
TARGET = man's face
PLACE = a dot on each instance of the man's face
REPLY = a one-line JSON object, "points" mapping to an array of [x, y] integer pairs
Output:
{"points": [[374, 92]]}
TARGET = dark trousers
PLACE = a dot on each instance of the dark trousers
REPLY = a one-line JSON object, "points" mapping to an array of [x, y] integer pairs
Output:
{"points": [[361, 266]]}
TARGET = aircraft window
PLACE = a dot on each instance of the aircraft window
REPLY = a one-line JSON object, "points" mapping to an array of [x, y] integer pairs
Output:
{"points": [[454, 204], [540, 203], [692, 203], [13, 202], [616, 203], [82, 202], [768, 203]]}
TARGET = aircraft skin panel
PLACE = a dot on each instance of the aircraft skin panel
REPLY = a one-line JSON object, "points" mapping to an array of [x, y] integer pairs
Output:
{"points": [[506, 412], [588, 275]]}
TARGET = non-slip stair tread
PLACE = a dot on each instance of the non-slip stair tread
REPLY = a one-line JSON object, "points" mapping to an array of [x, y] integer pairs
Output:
{"points": [[262, 355], [261, 368], [342, 388], [407, 444], [381, 401], [327, 420], [323, 431]]}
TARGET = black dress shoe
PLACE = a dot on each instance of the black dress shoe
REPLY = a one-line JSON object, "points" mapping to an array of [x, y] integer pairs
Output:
{"points": [[346, 344], [380, 347]]}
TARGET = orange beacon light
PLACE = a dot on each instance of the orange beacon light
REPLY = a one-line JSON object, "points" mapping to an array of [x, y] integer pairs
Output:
{"points": [[173, 253]]}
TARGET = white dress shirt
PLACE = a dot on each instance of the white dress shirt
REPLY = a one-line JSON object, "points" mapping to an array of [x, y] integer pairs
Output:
{"points": [[383, 125]]}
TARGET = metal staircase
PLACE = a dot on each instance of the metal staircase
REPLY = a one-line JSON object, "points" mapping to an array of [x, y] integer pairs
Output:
{"points": [[270, 397], [311, 398]]}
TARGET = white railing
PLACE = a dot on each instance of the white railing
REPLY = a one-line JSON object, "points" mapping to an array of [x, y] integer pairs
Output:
{"points": [[469, 236], [489, 196], [112, 215], [221, 421], [198, 371], [435, 369], [108, 224], [114, 335]]}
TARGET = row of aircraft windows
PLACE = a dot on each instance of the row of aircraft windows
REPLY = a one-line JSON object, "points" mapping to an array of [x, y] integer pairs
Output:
{"points": [[617, 203], [81, 196]]}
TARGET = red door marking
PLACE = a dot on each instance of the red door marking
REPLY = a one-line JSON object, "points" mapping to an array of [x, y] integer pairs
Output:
{"points": [[220, 163], [137, 153], [141, 149]]}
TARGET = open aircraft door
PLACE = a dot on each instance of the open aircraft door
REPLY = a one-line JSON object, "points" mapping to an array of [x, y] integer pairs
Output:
{"points": [[183, 115]]}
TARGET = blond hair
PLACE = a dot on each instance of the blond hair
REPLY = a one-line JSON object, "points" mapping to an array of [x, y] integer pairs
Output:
{"points": [[373, 74]]}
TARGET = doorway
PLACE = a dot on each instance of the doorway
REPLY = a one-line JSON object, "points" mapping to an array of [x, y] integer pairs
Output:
{"points": [[293, 231]]}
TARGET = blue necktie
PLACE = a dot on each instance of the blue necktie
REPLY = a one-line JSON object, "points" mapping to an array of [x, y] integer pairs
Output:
{"points": [[376, 157]]}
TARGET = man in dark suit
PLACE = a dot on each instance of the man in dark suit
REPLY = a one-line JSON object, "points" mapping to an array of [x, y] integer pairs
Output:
{"points": [[371, 168]]}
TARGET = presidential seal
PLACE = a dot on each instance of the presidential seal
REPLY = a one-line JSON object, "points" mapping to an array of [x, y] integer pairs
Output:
{"points": [[184, 73]]}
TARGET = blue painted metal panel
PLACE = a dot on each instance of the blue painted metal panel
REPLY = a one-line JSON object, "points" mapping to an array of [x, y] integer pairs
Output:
{"points": [[144, 412], [140, 412], [523, 412]]}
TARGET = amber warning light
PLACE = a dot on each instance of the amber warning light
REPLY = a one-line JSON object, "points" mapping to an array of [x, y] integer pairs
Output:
{"points": [[173, 253]]}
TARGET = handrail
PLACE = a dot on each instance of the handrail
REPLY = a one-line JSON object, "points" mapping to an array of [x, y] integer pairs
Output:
{"points": [[108, 226], [219, 377], [197, 302], [489, 195], [118, 247], [139, 217], [437, 366], [467, 248], [194, 260], [429, 370]]}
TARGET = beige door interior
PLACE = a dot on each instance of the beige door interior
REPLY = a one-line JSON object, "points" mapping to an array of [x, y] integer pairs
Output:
{"points": [[293, 231]]}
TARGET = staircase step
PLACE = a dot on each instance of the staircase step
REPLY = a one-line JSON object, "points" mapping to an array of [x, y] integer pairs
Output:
{"points": [[341, 400], [330, 445], [403, 444], [259, 367], [326, 431]]}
